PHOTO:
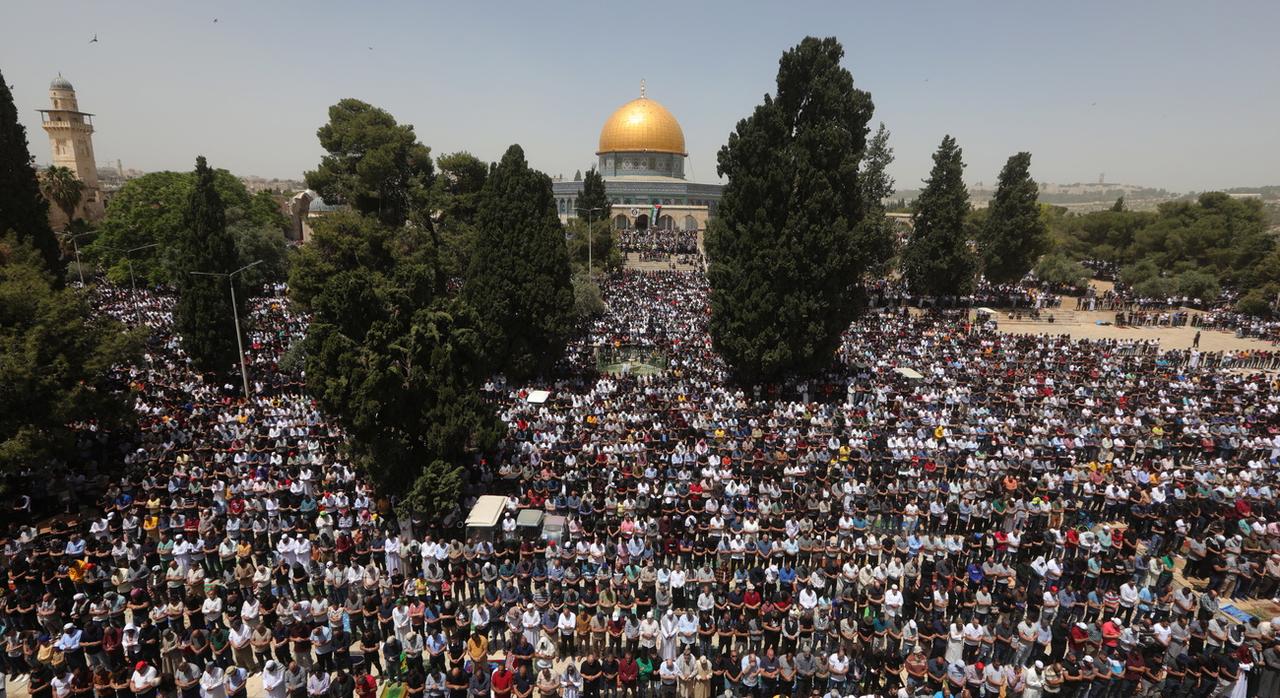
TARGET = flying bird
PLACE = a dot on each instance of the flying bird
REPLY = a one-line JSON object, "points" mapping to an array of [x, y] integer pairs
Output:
{"points": [[94, 40], [215, 20], [370, 48]]}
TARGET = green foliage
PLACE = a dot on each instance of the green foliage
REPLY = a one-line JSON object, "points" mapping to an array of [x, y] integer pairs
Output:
{"points": [[790, 242], [604, 253], [372, 164], [587, 299], [877, 184], [457, 189], [62, 188], [1103, 235], [1058, 269], [456, 200], [1197, 283], [23, 210], [346, 240], [1014, 234], [877, 187], [150, 209], [264, 243], [265, 211], [1137, 273], [294, 359], [397, 364], [435, 492], [1265, 271], [1118, 206], [518, 279], [1217, 234], [593, 202], [936, 260], [455, 243], [55, 361], [1259, 302], [1156, 287], [203, 316]]}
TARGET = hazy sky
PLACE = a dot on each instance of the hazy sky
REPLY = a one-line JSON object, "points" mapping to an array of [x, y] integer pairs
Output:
{"points": [[1181, 95]]}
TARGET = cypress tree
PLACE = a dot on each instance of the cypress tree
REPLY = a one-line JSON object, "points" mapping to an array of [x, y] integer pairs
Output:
{"points": [[1014, 235], [204, 314], [593, 196], [22, 209], [877, 185], [518, 279], [789, 245], [936, 260]]}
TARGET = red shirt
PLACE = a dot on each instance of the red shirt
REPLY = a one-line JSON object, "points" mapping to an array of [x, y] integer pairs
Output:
{"points": [[366, 686], [628, 670], [502, 680]]}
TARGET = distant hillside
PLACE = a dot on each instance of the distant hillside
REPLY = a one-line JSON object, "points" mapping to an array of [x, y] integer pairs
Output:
{"points": [[1093, 196]]}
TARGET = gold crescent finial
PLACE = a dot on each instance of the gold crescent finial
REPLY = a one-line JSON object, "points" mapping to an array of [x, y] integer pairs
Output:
{"points": [[641, 88]]}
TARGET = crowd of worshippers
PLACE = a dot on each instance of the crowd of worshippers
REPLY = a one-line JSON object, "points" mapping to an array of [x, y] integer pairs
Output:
{"points": [[1024, 295], [1031, 516], [658, 243]]}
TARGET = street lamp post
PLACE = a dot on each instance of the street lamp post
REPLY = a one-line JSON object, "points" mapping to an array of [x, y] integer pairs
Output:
{"points": [[591, 243], [235, 316], [133, 284], [73, 237]]}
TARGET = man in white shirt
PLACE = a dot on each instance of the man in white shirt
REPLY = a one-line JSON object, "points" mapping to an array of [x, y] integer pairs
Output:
{"points": [[144, 680], [838, 665]]}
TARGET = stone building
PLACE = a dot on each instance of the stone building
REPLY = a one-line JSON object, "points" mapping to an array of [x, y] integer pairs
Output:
{"points": [[71, 139], [641, 156]]}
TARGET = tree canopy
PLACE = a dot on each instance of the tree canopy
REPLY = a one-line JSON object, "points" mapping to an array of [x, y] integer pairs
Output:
{"points": [[458, 186], [789, 244], [1014, 234], [398, 364], [203, 316], [1058, 270], [452, 212], [23, 211], [151, 209], [877, 186], [1191, 248], [62, 188], [604, 254], [518, 280], [56, 361], [936, 260], [593, 202], [372, 164]]}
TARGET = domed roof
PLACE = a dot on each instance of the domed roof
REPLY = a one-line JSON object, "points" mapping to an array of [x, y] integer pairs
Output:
{"points": [[60, 83], [642, 125]]}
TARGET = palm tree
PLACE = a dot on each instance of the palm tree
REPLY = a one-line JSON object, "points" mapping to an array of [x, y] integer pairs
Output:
{"points": [[63, 189]]}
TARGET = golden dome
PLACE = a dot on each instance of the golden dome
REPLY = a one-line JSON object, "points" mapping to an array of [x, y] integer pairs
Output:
{"points": [[642, 125]]}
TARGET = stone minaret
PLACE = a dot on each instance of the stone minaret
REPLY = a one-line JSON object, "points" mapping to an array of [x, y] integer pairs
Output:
{"points": [[71, 139]]}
